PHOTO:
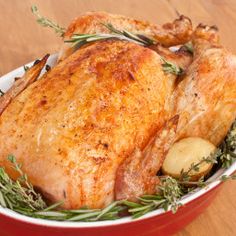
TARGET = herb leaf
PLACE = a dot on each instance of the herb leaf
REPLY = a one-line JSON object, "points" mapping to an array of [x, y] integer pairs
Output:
{"points": [[46, 22], [212, 158], [172, 192], [171, 68], [1, 93], [18, 195], [228, 147], [25, 68], [79, 40], [189, 47]]}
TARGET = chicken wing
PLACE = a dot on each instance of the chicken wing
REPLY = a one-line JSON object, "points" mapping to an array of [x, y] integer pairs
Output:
{"points": [[21, 83], [178, 32]]}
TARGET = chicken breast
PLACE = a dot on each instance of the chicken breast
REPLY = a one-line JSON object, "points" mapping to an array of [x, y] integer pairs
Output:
{"points": [[72, 128]]}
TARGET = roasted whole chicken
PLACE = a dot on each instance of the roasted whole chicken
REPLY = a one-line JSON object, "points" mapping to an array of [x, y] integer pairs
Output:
{"points": [[97, 126]]}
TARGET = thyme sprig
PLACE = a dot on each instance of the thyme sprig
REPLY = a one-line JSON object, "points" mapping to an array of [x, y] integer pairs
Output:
{"points": [[18, 195], [223, 155], [46, 22], [228, 147], [195, 167], [170, 193]]}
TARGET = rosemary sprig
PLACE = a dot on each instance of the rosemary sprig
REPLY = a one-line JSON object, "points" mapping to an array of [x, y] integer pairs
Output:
{"points": [[143, 40], [171, 68], [79, 40], [46, 22]]}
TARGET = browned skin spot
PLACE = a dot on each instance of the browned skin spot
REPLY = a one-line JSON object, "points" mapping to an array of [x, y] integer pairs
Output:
{"points": [[22, 83]]}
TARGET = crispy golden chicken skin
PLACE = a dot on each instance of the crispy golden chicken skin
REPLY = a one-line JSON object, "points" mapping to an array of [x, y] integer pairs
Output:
{"points": [[21, 83], [203, 105], [73, 128], [98, 125], [178, 32]]}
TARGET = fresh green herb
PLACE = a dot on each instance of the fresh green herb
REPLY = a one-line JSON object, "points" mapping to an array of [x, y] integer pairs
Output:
{"points": [[79, 40], [184, 185], [224, 155], [1, 93], [212, 158], [231, 138], [189, 47], [228, 146], [111, 212], [26, 68], [226, 158], [171, 68], [226, 177], [170, 192], [18, 195], [141, 39], [46, 22]]}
